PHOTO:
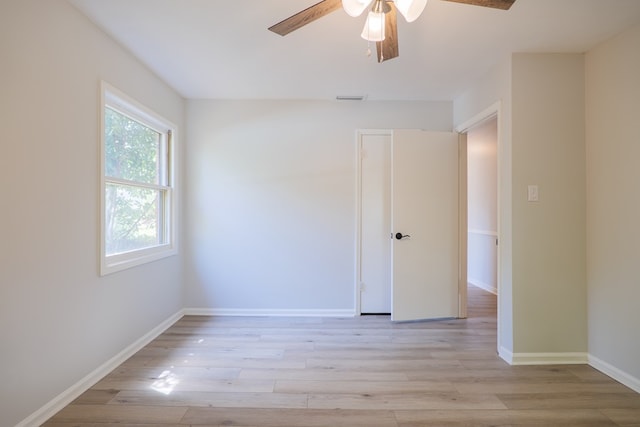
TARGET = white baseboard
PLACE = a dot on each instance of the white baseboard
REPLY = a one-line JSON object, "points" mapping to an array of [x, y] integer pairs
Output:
{"points": [[571, 359], [577, 358], [267, 312], [73, 392], [615, 373], [505, 355], [482, 285]]}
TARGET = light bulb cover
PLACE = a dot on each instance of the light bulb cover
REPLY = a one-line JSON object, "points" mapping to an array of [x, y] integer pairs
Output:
{"points": [[410, 9], [355, 7], [374, 27]]}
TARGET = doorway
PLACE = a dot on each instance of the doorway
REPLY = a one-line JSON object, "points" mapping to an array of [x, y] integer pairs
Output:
{"points": [[492, 115], [482, 205], [483, 219]]}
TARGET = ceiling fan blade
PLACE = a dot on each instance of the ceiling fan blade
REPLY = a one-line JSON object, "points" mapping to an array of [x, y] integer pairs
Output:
{"points": [[306, 16], [496, 4], [388, 48]]}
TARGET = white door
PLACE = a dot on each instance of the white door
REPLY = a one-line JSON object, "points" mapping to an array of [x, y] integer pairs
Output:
{"points": [[424, 208]]}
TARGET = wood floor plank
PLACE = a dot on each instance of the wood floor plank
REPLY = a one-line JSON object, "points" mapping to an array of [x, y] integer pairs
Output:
{"points": [[321, 374], [212, 399], [374, 352], [292, 418], [119, 414], [325, 386], [374, 365], [154, 373], [496, 373], [576, 400], [404, 401], [186, 384], [223, 345], [536, 387], [588, 373], [627, 417], [204, 361], [94, 396], [491, 418], [420, 344], [220, 353]]}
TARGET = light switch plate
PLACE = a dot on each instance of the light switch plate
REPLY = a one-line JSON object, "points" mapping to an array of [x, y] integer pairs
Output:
{"points": [[532, 193]]}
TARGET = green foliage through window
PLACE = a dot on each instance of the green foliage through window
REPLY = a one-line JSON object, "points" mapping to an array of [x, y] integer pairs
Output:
{"points": [[131, 149], [135, 180]]}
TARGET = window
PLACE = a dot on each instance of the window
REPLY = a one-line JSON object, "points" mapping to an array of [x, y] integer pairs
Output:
{"points": [[137, 184]]}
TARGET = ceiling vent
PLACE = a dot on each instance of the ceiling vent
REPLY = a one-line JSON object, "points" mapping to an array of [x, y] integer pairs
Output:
{"points": [[351, 97]]}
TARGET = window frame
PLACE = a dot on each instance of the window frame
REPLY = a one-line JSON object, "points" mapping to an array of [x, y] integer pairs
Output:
{"points": [[118, 101]]}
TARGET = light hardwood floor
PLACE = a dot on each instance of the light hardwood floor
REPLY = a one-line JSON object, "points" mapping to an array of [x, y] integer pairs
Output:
{"points": [[365, 371]]}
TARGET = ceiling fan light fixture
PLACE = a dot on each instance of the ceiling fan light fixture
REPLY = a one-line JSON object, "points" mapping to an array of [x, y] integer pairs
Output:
{"points": [[410, 9], [355, 8], [374, 27], [381, 19]]}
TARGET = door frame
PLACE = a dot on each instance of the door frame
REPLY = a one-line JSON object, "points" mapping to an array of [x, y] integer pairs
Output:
{"points": [[463, 214], [489, 113], [358, 238], [462, 219]]}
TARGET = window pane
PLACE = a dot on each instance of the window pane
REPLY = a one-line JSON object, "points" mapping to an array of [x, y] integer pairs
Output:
{"points": [[132, 150], [132, 218]]}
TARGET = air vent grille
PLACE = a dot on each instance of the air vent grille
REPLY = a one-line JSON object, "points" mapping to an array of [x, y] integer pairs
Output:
{"points": [[351, 97]]}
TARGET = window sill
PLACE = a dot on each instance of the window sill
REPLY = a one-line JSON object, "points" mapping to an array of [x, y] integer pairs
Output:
{"points": [[115, 263]]}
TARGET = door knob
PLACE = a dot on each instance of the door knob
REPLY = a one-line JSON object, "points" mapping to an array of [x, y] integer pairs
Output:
{"points": [[401, 236]]}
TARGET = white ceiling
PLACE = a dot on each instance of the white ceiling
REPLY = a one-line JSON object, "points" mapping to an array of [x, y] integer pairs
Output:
{"points": [[222, 49]]}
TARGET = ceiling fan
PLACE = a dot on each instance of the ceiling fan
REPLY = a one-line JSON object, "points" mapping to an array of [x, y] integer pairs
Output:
{"points": [[381, 24]]}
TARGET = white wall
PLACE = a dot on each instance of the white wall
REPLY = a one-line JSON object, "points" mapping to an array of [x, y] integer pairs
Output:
{"points": [[58, 319], [271, 202], [482, 206], [613, 204], [549, 236]]}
